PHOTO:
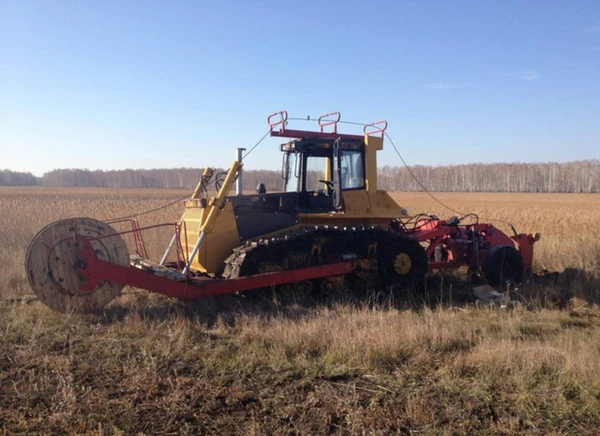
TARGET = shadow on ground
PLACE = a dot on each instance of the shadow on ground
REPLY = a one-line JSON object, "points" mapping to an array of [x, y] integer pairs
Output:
{"points": [[547, 290]]}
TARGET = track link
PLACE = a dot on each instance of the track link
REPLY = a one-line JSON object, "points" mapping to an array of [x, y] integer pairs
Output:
{"points": [[383, 257]]}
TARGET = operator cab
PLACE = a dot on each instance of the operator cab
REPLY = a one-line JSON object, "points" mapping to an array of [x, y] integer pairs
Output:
{"points": [[318, 169]]}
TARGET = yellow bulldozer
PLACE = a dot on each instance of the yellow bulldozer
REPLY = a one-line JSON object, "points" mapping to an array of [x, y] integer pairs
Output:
{"points": [[329, 224]]}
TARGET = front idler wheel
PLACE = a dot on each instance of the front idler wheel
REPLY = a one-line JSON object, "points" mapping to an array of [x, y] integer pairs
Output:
{"points": [[403, 263]]}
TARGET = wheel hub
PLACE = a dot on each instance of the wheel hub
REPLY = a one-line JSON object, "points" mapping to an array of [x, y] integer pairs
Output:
{"points": [[402, 263]]}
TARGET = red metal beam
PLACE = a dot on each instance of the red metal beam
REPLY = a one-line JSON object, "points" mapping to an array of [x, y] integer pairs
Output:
{"points": [[288, 133], [94, 270]]}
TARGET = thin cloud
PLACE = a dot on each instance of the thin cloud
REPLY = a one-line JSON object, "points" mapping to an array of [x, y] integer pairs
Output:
{"points": [[447, 85], [595, 48], [594, 29], [530, 75]]}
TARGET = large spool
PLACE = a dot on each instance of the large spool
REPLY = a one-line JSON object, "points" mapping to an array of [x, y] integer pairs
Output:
{"points": [[51, 261]]}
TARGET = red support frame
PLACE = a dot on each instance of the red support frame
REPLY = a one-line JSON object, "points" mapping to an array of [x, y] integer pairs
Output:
{"points": [[456, 239], [466, 244], [93, 270], [137, 234]]}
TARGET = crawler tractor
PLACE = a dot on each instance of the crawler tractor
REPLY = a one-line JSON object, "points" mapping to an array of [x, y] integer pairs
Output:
{"points": [[328, 226]]}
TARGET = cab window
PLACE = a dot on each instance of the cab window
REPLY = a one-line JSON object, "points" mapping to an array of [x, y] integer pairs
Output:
{"points": [[353, 170], [315, 171], [291, 173]]}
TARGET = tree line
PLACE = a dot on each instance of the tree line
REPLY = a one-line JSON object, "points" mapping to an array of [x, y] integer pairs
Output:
{"points": [[15, 178], [578, 176]]}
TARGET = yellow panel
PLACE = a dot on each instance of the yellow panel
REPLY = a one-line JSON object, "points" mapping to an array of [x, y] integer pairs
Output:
{"points": [[218, 244], [372, 145], [385, 205], [192, 217], [356, 202], [359, 207]]}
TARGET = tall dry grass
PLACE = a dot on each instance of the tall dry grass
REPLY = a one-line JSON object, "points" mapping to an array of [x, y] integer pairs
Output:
{"points": [[147, 366]]}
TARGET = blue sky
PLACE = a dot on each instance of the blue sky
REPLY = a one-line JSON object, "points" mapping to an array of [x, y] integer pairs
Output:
{"points": [[125, 84]]}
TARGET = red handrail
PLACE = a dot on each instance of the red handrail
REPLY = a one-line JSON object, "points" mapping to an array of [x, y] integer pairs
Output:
{"points": [[375, 128], [325, 122], [137, 231], [140, 246], [282, 120]]}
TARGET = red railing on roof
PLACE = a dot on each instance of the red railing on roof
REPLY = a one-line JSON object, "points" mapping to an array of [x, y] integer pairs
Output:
{"points": [[278, 127], [375, 128], [283, 116], [324, 121]]}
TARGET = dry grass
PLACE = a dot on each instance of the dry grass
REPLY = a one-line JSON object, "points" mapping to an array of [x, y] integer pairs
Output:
{"points": [[150, 365], [150, 368]]}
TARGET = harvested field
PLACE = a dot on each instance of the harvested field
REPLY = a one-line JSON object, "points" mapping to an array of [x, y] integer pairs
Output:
{"points": [[151, 365]]}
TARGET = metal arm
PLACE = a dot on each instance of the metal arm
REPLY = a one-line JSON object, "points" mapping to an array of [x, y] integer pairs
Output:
{"points": [[215, 204], [206, 176]]}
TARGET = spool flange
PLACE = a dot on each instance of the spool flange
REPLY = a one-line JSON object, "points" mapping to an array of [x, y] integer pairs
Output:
{"points": [[52, 261]]}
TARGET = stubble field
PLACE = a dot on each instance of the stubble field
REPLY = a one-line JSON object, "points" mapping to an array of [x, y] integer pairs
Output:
{"points": [[149, 364]]}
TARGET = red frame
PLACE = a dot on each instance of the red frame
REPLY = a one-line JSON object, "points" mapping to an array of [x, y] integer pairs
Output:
{"points": [[462, 248], [278, 128], [93, 270], [139, 238], [462, 251], [283, 119], [137, 234]]}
